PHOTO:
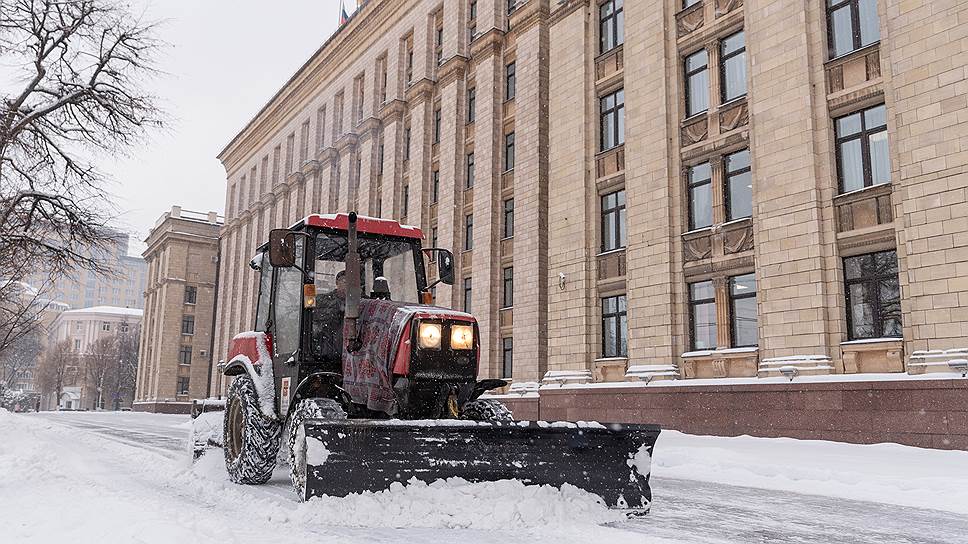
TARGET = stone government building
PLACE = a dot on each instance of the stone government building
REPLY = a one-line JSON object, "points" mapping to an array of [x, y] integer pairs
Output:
{"points": [[697, 189]]}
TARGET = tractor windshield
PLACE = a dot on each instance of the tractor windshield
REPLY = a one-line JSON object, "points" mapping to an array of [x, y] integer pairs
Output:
{"points": [[392, 260]]}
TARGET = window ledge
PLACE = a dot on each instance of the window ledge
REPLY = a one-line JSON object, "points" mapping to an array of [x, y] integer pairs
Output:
{"points": [[863, 341], [610, 150], [611, 251], [610, 52], [731, 102], [694, 117], [855, 53], [859, 194]]}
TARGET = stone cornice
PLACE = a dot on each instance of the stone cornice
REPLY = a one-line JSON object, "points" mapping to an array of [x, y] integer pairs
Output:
{"points": [[487, 45], [393, 111], [420, 91], [309, 167], [564, 10], [370, 127], [347, 142], [451, 70], [527, 16], [326, 155], [294, 178]]}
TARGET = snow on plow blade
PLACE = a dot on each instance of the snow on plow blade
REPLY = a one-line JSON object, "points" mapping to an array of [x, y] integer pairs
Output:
{"points": [[610, 461]]}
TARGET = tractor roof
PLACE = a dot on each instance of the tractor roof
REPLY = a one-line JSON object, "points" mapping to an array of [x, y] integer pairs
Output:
{"points": [[369, 225]]}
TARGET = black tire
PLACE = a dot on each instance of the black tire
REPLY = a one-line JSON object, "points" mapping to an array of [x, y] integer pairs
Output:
{"points": [[250, 440], [327, 409], [486, 410]]}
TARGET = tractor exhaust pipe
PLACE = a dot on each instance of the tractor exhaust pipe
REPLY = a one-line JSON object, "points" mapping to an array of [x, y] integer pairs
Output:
{"points": [[353, 291]]}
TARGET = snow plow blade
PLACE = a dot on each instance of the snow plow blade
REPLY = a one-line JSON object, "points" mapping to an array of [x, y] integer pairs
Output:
{"points": [[612, 461]]}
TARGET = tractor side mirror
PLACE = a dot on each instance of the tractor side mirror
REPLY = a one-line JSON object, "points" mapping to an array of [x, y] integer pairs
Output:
{"points": [[282, 248], [445, 266]]}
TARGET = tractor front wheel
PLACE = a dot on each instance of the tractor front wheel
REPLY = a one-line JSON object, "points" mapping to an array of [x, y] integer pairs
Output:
{"points": [[486, 410], [324, 409], [251, 439]]}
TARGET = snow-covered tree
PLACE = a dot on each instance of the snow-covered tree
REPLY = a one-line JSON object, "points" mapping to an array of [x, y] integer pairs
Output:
{"points": [[55, 369], [100, 367], [75, 95], [19, 359]]}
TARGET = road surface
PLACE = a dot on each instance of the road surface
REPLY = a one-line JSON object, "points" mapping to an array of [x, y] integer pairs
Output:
{"points": [[683, 510]]}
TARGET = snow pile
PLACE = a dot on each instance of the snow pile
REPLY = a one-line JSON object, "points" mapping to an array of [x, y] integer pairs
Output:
{"points": [[458, 504], [885, 473]]}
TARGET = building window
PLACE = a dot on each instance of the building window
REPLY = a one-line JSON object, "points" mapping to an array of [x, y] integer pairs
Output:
{"points": [[433, 237], [405, 207], [123, 327], [873, 296], [697, 83], [408, 60], [509, 151], [613, 221], [509, 218], [614, 327], [105, 326], [702, 315], [862, 159], [507, 298], [435, 188], [732, 67], [471, 104], [191, 294], [611, 25], [700, 196], [612, 121], [739, 185], [851, 24], [439, 45], [188, 324], [182, 385], [470, 170], [472, 12], [512, 5], [185, 355], [406, 144], [467, 294], [469, 232], [507, 357], [510, 81], [742, 310], [687, 3], [437, 119]]}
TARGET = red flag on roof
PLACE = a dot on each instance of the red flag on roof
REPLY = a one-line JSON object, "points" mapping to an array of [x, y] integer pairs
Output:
{"points": [[343, 16]]}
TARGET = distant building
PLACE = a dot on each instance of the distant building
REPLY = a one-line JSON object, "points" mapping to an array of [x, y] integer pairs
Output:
{"points": [[82, 328], [84, 289], [182, 260]]}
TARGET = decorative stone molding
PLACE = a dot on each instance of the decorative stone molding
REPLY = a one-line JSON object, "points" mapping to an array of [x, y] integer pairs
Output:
{"points": [[649, 373], [879, 355], [611, 369], [866, 208], [690, 19], [452, 70], [695, 131], [854, 69], [527, 16], [734, 116], [610, 162], [611, 265], [347, 142], [922, 362], [420, 91], [610, 65], [392, 111], [506, 319], [370, 128], [565, 377], [327, 155], [720, 363], [697, 245], [310, 167], [294, 178], [737, 237], [486, 45], [723, 7]]}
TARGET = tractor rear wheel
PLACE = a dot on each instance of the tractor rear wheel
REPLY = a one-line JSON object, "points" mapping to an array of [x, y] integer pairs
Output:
{"points": [[487, 410], [325, 409], [251, 439]]}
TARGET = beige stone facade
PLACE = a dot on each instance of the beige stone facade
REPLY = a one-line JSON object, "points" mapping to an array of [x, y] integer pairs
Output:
{"points": [[175, 354], [335, 137]]}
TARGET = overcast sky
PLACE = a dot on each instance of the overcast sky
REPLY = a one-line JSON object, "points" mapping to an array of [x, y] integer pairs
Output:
{"points": [[226, 59]]}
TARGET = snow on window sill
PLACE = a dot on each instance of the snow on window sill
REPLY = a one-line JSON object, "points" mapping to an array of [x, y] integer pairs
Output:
{"points": [[871, 341]]}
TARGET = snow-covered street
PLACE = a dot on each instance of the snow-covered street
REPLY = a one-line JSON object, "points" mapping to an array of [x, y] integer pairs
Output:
{"points": [[111, 477]]}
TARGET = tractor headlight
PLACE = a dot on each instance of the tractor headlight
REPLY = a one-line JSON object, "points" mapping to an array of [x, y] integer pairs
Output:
{"points": [[461, 337], [429, 335]]}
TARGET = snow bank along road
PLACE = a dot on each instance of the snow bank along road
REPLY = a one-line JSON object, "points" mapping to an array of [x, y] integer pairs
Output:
{"points": [[123, 477]]}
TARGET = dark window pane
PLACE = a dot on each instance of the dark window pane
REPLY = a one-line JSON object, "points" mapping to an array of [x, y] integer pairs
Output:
{"points": [[744, 322], [733, 43], [701, 206], [861, 312], [851, 166], [880, 161], [841, 31], [735, 71], [870, 30], [704, 326], [854, 267]]}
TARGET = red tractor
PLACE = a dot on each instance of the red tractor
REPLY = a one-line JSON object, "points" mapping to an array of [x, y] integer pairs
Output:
{"points": [[371, 384]]}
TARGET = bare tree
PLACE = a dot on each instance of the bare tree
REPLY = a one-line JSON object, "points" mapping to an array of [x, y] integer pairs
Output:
{"points": [[81, 65], [19, 359], [100, 365], [127, 371], [54, 370]]}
